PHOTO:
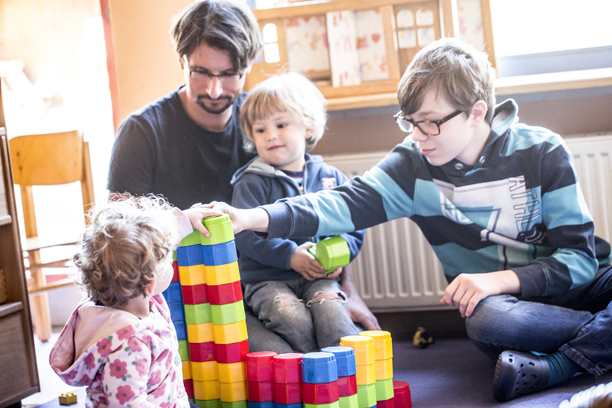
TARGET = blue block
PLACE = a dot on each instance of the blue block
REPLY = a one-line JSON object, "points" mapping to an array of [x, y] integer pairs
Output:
{"points": [[345, 360], [181, 330], [189, 255], [319, 367], [219, 254], [298, 405], [174, 293], [177, 312], [267, 404]]}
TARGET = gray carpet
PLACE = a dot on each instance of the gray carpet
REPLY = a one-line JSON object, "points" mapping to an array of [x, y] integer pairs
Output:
{"points": [[453, 373]]}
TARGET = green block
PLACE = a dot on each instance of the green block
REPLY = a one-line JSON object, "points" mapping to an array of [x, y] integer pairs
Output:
{"points": [[208, 403], [174, 258], [352, 401], [366, 395], [235, 404], [220, 229], [228, 313], [191, 239], [335, 404], [196, 314], [384, 389], [184, 350], [332, 253]]}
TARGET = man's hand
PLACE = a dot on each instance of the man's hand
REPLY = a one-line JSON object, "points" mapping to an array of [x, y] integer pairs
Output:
{"points": [[305, 264], [467, 290], [355, 306]]}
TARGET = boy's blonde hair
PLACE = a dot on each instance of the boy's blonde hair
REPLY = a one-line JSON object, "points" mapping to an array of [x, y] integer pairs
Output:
{"points": [[124, 248], [291, 92], [455, 70]]}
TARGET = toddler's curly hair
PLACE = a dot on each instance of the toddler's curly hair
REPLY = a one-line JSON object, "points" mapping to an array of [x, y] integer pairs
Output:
{"points": [[125, 247]]}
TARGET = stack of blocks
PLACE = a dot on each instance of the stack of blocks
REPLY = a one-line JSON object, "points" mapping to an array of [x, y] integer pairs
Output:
{"points": [[347, 375], [320, 380], [260, 379], [383, 360], [288, 380], [363, 347], [207, 310]]}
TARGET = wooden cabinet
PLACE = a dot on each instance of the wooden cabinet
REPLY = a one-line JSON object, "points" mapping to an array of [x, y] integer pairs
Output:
{"points": [[18, 371]]}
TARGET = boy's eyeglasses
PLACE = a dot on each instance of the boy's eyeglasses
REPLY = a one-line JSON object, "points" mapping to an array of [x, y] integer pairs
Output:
{"points": [[428, 127]]}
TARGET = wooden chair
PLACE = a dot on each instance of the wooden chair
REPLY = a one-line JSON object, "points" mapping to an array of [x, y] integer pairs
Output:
{"points": [[47, 159]]}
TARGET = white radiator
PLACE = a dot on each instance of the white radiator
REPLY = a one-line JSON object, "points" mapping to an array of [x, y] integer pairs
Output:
{"points": [[397, 269]]}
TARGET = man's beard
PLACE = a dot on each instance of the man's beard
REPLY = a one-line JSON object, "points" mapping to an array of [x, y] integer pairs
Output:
{"points": [[215, 111]]}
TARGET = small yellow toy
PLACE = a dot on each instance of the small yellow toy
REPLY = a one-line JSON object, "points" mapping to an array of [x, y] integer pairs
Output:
{"points": [[67, 398]]}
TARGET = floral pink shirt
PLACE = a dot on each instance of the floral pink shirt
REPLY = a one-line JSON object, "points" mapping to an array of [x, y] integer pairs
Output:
{"points": [[123, 360]]}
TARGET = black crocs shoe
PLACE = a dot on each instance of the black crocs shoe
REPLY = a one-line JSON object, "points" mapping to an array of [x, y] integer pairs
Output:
{"points": [[519, 373]]}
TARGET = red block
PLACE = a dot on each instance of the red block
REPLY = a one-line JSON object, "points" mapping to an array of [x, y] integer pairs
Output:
{"points": [[260, 391], [347, 385], [224, 294], [188, 388], [385, 404], [290, 393], [401, 392], [175, 272], [195, 294], [259, 366], [323, 393], [287, 368], [201, 352], [231, 353]]}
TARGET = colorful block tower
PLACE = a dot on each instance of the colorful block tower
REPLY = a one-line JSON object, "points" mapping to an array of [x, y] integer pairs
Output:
{"points": [[366, 368], [320, 380], [213, 340], [347, 375], [383, 358]]}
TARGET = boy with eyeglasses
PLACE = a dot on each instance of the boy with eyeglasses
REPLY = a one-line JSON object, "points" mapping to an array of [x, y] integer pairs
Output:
{"points": [[499, 202], [187, 145]]}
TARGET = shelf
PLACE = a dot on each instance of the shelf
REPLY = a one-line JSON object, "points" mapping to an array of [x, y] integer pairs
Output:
{"points": [[557, 81], [10, 308]]}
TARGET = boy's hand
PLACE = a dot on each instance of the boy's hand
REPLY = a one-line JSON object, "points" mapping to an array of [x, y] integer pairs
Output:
{"points": [[467, 290], [255, 219], [334, 274], [197, 213], [305, 264]]}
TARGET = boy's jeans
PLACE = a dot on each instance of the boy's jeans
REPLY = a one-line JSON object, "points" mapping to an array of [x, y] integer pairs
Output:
{"points": [[579, 324], [308, 315]]}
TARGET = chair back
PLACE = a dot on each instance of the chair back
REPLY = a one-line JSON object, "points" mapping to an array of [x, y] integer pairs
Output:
{"points": [[50, 159]]}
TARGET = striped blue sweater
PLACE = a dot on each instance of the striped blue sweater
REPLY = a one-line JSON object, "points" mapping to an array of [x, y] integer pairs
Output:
{"points": [[520, 207]]}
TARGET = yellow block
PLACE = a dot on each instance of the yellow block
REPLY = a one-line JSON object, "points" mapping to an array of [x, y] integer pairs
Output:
{"points": [[204, 371], [382, 343], [230, 333], [192, 275], [200, 333], [186, 370], [232, 372], [206, 390], [366, 374], [222, 274], [232, 392], [384, 369], [363, 346]]}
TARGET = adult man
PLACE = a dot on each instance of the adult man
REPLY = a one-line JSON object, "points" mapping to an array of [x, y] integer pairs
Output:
{"points": [[188, 144]]}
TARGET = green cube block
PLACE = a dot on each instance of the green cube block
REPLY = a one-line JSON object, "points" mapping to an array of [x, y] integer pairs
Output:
{"points": [[215, 403], [235, 404], [366, 395], [192, 239], [349, 402], [196, 314], [174, 258], [228, 313], [184, 350], [332, 253], [220, 229], [335, 404], [384, 389]]}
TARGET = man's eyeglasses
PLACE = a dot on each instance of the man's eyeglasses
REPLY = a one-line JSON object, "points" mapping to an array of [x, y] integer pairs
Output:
{"points": [[428, 127], [205, 76]]}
